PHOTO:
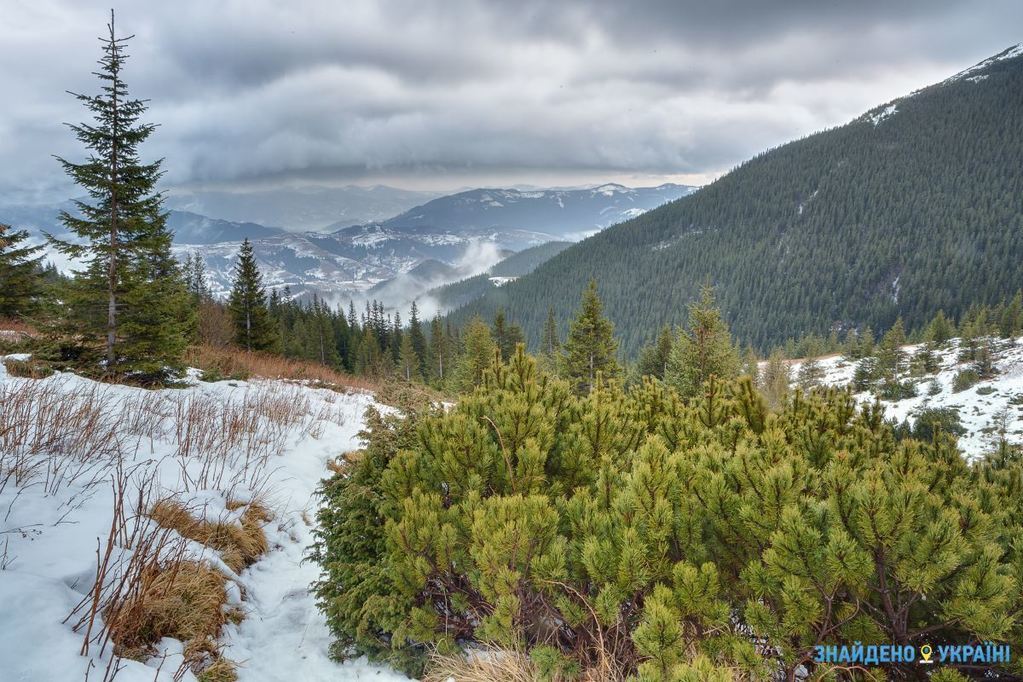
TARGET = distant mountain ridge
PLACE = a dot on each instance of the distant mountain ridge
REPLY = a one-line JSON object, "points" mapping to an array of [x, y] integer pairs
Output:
{"points": [[192, 228], [913, 207], [301, 209], [563, 213]]}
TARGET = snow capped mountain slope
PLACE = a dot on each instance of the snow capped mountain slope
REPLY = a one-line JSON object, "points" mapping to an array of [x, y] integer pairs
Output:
{"points": [[560, 212], [1008, 53]]}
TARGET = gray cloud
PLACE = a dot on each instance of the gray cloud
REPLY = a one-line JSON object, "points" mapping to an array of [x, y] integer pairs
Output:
{"points": [[446, 92]]}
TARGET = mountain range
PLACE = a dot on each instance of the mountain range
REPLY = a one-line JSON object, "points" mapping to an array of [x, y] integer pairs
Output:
{"points": [[297, 209], [444, 240], [565, 213], [915, 206]]}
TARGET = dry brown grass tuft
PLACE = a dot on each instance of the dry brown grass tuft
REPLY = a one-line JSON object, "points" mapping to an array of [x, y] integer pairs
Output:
{"points": [[235, 363], [183, 600], [221, 670], [239, 545], [507, 666]]}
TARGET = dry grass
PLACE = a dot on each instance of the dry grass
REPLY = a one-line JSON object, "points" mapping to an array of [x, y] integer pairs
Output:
{"points": [[152, 592], [58, 434], [239, 545], [507, 666], [182, 600], [27, 369], [17, 326], [231, 362], [221, 670]]}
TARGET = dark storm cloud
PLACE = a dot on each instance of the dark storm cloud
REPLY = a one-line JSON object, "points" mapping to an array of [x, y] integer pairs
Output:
{"points": [[448, 90]]}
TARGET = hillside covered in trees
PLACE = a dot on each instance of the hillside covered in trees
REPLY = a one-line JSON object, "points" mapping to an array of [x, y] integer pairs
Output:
{"points": [[915, 207]]}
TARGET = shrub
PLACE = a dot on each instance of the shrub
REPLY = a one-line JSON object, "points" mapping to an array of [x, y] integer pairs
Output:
{"points": [[964, 379], [986, 390], [633, 533]]}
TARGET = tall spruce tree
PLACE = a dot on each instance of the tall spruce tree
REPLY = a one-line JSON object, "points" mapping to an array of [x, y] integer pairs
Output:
{"points": [[940, 329], [418, 338], [703, 349], [408, 360], [591, 347], [20, 280], [891, 359], [247, 303], [440, 352], [478, 355], [653, 358], [550, 344], [122, 235], [506, 334]]}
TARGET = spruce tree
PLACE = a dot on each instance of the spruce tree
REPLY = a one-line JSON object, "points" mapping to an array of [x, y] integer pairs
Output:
{"points": [[703, 349], [408, 360], [477, 356], [158, 318], [776, 379], [247, 303], [550, 344], [810, 371], [418, 338], [439, 352], [20, 280], [653, 358], [1011, 321], [591, 347], [506, 335], [890, 356], [121, 231], [940, 329], [196, 279]]}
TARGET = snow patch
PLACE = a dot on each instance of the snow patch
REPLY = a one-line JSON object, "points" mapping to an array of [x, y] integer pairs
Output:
{"points": [[877, 116], [48, 557], [980, 407]]}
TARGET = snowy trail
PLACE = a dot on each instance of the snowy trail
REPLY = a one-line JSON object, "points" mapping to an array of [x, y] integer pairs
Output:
{"points": [[284, 635]]}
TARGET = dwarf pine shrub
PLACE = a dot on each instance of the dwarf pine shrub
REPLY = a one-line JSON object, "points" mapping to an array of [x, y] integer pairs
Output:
{"points": [[632, 533]]}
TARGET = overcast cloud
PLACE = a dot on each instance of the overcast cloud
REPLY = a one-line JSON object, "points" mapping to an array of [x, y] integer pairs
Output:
{"points": [[440, 94]]}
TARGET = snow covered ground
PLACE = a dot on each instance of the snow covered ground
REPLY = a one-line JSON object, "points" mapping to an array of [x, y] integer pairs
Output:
{"points": [[981, 407], [269, 437]]}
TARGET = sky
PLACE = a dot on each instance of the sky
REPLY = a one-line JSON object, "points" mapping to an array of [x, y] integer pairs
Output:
{"points": [[446, 94]]}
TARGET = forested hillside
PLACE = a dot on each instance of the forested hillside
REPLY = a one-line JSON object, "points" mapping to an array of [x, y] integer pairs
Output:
{"points": [[914, 207], [457, 294]]}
